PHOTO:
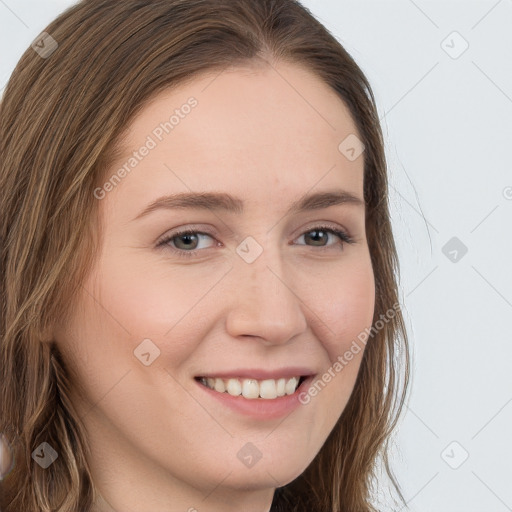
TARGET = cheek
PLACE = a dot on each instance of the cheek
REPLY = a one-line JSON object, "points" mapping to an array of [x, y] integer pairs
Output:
{"points": [[155, 301], [346, 307], [347, 312]]}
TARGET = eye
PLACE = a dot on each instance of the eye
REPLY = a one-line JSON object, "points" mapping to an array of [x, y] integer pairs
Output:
{"points": [[187, 243], [320, 234]]}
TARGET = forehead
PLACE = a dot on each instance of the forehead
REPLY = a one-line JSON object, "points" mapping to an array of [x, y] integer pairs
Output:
{"points": [[258, 129]]}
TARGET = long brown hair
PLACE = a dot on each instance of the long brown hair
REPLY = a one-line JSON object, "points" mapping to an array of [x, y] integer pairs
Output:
{"points": [[60, 119]]}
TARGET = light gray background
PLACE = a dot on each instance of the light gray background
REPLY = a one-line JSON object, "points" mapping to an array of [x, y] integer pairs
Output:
{"points": [[447, 120]]}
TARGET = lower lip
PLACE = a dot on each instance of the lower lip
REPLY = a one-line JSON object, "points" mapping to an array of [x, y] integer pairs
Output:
{"points": [[260, 408]]}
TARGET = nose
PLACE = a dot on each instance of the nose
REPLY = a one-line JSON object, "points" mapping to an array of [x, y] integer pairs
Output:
{"points": [[265, 304]]}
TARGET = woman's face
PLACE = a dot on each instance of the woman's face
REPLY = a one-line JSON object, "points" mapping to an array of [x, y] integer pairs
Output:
{"points": [[263, 289]]}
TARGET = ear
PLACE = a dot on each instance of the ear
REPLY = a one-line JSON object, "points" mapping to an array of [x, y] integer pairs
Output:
{"points": [[46, 334], [6, 458]]}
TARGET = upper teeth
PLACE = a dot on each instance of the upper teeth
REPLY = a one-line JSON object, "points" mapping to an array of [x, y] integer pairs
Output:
{"points": [[252, 388]]}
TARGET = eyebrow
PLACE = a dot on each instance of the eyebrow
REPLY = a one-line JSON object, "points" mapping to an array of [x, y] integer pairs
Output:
{"points": [[216, 201]]}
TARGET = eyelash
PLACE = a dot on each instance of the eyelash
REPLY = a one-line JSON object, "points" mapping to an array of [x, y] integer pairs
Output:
{"points": [[344, 237]]}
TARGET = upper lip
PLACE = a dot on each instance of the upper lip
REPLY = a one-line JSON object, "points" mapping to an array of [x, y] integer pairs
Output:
{"points": [[260, 373]]}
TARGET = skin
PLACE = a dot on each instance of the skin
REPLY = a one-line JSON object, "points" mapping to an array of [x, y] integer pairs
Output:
{"points": [[268, 135]]}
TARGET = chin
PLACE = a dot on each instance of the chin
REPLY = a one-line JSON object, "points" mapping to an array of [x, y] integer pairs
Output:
{"points": [[271, 473]]}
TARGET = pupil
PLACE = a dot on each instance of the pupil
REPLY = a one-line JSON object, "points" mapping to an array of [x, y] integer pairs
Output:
{"points": [[188, 238], [315, 238]]}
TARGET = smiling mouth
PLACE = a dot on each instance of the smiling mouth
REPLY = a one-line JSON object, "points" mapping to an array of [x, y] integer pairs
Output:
{"points": [[252, 388]]}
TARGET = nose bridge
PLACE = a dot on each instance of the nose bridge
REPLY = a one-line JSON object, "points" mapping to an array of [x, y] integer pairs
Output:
{"points": [[266, 305]]}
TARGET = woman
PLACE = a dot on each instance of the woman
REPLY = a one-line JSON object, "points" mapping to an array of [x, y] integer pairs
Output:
{"points": [[199, 301]]}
